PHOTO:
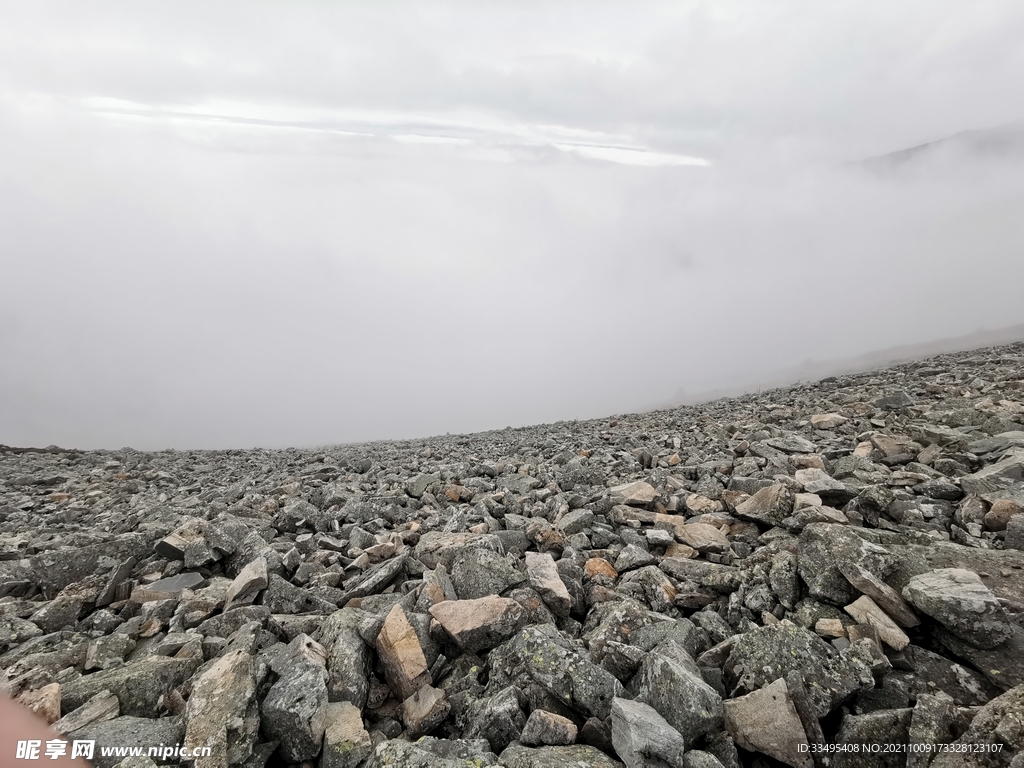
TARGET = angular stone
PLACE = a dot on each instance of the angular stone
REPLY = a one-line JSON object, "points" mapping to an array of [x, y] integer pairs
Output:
{"points": [[544, 579], [669, 681], [405, 665], [703, 537], [542, 655], [766, 721], [638, 494], [818, 481], [103, 706], [424, 711], [959, 600], [999, 722], [170, 587], [769, 506], [547, 729], [128, 732], [249, 582], [640, 734], [479, 572], [827, 420], [477, 625], [824, 546], [571, 756], [346, 742], [887, 598], [138, 685], [432, 753], [295, 712], [348, 657], [865, 611], [221, 712]]}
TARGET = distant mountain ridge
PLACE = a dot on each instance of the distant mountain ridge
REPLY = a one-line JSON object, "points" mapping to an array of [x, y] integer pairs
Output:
{"points": [[1003, 140], [815, 370]]}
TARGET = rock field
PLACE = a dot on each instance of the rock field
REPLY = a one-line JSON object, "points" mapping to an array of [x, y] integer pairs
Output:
{"points": [[786, 578]]}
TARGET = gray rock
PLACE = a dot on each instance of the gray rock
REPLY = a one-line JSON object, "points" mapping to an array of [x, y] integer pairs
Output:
{"points": [[639, 733], [481, 572], [346, 742], [959, 600], [572, 756], [766, 721], [138, 685], [348, 657], [432, 753], [669, 681], [823, 547], [769, 506], [548, 729], [131, 732], [295, 712]]}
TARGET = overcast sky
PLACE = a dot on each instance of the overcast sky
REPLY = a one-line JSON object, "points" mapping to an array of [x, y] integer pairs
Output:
{"points": [[300, 223]]}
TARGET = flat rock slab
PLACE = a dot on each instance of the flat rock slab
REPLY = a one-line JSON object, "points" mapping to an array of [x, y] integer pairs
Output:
{"points": [[639, 733], [766, 721], [866, 611], [959, 600], [477, 625], [405, 665]]}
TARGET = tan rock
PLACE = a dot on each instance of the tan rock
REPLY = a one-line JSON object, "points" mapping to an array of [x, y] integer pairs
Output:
{"points": [[405, 665], [684, 551], [827, 420], [1000, 513], [766, 721], [247, 584], [698, 504], [44, 701], [866, 611], [830, 628], [543, 575], [703, 537], [546, 728], [887, 598], [346, 742], [481, 624], [424, 711], [637, 494], [598, 567], [807, 461]]}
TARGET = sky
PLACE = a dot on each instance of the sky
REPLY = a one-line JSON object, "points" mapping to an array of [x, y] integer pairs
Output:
{"points": [[229, 225]]}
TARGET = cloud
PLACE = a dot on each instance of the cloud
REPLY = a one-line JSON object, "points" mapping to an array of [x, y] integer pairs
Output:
{"points": [[305, 224]]}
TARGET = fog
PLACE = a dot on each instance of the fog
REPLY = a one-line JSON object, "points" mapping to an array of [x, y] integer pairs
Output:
{"points": [[235, 224]]}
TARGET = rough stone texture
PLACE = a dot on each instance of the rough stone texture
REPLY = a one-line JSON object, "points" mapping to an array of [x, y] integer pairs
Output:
{"points": [[146, 587], [346, 742], [477, 625], [639, 734], [959, 600], [548, 729], [766, 721]]}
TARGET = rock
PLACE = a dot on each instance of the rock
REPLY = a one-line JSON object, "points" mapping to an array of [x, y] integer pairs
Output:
{"points": [[893, 401], [348, 657], [669, 681], [572, 756], [871, 733], [997, 723], [478, 573], [766, 721], [126, 733], [1003, 666], [541, 655], [703, 537], [498, 719], [576, 521], [249, 582], [824, 546], [138, 685], [424, 711], [865, 611], [295, 712], [544, 579], [477, 625], [818, 481], [638, 494], [221, 712], [168, 588], [827, 420], [935, 720], [101, 707], [639, 733], [1014, 538], [548, 729], [887, 598], [999, 515], [346, 742], [405, 665], [767, 653], [431, 753], [769, 506], [959, 600]]}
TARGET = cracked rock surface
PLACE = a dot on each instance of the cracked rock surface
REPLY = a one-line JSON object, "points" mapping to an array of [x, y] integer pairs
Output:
{"points": [[721, 585]]}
